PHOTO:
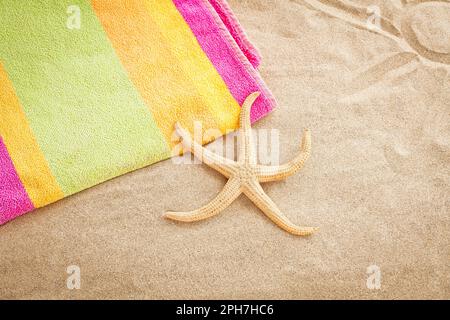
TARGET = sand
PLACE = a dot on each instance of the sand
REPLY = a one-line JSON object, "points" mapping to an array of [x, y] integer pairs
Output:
{"points": [[377, 184]]}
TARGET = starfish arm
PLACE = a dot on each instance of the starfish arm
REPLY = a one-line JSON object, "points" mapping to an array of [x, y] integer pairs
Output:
{"points": [[223, 165], [273, 173], [255, 192], [229, 193], [246, 153]]}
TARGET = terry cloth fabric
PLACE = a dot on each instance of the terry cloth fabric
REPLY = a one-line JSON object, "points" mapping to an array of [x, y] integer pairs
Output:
{"points": [[90, 90]]}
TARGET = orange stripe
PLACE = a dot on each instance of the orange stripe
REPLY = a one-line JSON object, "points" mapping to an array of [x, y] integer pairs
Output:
{"points": [[23, 149]]}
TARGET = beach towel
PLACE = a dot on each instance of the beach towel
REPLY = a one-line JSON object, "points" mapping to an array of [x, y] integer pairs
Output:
{"points": [[90, 90]]}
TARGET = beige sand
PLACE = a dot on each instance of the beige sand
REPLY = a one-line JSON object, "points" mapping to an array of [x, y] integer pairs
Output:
{"points": [[377, 183]]}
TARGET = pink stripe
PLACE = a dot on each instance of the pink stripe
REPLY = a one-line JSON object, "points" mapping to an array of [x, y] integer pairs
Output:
{"points": [[219, 45], [234, 27], [14, 200]]}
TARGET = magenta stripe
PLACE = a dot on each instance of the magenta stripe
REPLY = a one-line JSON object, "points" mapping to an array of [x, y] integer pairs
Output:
{"points": [[219, 45], [235, 29], [14, 200]]}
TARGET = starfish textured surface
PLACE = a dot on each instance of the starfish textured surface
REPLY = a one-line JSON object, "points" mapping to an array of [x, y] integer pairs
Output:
{"points": [[245, 175]]}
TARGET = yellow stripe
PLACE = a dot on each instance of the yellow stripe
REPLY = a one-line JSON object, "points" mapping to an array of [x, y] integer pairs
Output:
{"points": [[23, 149], [194, 62]]}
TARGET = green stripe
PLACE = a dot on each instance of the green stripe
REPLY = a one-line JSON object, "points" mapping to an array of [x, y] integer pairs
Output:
{"points": [[88, 118]]}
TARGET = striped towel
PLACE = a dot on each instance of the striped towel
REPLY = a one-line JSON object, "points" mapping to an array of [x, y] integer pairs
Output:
{"points": [[90, 90]]}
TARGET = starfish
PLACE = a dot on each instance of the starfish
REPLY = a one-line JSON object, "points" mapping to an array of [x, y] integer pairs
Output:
{"points": [[244, 175]]}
